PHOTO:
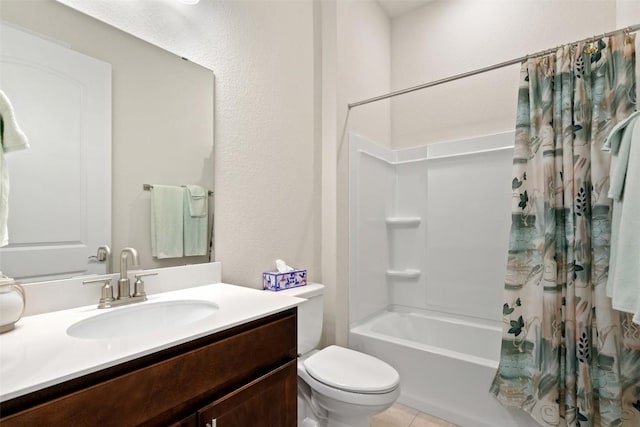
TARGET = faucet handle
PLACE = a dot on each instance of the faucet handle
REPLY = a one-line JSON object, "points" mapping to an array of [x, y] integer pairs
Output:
{"points": [[138, 285], [139, 275], [107, 290]]}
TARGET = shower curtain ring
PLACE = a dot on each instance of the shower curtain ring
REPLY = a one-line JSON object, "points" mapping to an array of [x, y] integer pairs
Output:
{"points": [[591, 49], [627, 34]]}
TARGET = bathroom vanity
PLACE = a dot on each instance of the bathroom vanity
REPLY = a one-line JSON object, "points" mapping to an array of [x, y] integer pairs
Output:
{"points": [[234, 367]]}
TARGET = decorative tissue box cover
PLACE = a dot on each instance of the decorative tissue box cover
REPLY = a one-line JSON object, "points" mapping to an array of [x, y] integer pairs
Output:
{"points": [[274, 281]]}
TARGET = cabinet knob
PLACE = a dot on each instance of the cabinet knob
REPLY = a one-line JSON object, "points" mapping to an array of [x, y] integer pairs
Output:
{"points": [[213, 423]]}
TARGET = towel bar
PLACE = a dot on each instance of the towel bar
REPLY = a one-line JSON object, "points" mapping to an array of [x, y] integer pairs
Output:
{"points": [[149, 187]]}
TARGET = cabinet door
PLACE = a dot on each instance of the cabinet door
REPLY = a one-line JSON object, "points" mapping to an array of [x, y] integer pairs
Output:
{"points": [[266, 402]]}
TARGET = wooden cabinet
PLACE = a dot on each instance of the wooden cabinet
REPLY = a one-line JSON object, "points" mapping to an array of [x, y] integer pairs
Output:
{"points": [[241, 377], [266, 402]]}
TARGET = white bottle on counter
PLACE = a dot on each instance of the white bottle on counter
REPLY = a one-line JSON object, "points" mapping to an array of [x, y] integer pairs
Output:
{"points": [[11, 303]]}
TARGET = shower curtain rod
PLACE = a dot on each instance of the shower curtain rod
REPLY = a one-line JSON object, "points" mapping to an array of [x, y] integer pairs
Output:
{"points": [[629, 29]]}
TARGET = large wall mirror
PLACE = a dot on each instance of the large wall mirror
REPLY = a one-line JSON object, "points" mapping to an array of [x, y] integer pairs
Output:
{"points": [[160, 108]]}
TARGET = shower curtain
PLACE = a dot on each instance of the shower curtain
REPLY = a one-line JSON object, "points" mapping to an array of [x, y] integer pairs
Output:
{"points": [[567, 358]]}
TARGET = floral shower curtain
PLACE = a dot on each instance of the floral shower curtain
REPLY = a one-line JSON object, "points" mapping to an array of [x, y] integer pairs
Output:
{"points": [[567, 358]]}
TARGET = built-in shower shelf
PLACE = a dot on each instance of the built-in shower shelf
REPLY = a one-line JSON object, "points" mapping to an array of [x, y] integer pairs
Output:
{"points": [[408, 273], [403, 221]]}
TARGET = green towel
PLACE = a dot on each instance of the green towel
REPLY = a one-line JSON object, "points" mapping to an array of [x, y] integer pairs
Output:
{"points": [[196, 204], [198, 200], [166, 221], [623, 283]]}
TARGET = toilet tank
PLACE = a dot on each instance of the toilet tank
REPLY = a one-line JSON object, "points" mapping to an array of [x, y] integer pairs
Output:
{"points": [[309, 315]]}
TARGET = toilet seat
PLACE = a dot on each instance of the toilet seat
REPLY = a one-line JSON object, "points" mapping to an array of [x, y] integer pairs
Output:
{"points": [[361, 399], [351, 371]]}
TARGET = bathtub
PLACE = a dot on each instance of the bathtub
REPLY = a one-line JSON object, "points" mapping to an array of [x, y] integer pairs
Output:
{"points": [[446, 364]]}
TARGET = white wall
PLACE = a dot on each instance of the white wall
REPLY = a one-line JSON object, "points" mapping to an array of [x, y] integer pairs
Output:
{"points": [[267, 170], [361, 70], [628, 13], [445, 38]]}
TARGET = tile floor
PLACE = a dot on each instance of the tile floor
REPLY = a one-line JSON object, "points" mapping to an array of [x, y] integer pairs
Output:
{"points": [[403, 416]]}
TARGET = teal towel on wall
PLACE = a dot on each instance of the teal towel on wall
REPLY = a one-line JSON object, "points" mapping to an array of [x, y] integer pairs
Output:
{"points": [[198, 200], [623, 283], [196, 204], [167, 207]]}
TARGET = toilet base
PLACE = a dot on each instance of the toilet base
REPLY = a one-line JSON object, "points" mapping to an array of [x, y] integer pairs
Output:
{"points": [[320, 417], [341, 414]]}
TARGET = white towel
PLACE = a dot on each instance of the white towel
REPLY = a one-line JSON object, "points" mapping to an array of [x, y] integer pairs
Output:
{"points": [[11, 138], [623, 285], [167, 209]]}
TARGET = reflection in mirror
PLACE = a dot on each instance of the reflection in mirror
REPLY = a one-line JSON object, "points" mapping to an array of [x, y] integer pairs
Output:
{"points": [[60, 187], [161, 132]]}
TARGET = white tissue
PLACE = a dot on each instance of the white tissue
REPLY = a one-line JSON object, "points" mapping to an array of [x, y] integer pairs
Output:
{"points": [[282, 266]]}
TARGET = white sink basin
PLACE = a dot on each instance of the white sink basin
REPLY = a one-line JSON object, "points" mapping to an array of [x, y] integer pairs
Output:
{"points": [[141, 319]]}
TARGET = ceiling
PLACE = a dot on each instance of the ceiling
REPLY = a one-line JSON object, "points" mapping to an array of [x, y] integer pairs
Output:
{"points": [[395, 8]]}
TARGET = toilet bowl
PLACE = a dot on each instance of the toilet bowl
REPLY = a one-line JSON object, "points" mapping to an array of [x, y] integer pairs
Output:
{"points": [[337, 386]]}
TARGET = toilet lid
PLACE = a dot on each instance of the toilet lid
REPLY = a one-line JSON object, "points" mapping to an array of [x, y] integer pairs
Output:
{"points": [[351, 370]]}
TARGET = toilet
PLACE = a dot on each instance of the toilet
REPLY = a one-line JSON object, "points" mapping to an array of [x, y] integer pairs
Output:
{"points": [[337, 386]]}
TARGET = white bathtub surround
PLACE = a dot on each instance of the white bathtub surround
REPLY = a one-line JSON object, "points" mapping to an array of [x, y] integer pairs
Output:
{"points": [[428, 245], [423, 231]]}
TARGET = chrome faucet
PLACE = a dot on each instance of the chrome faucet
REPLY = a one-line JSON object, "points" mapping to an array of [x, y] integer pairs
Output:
{"points": [[124, 288]]}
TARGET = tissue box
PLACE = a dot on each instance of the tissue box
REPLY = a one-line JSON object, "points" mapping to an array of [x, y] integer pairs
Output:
{"points": [[275, 281]]}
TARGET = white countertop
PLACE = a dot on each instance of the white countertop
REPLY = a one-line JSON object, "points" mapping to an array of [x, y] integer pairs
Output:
{"points": [[38, 353]]}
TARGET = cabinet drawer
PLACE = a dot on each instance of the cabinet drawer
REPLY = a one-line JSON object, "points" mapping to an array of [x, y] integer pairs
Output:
{"points": [[266, 402], [169, 389]]}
